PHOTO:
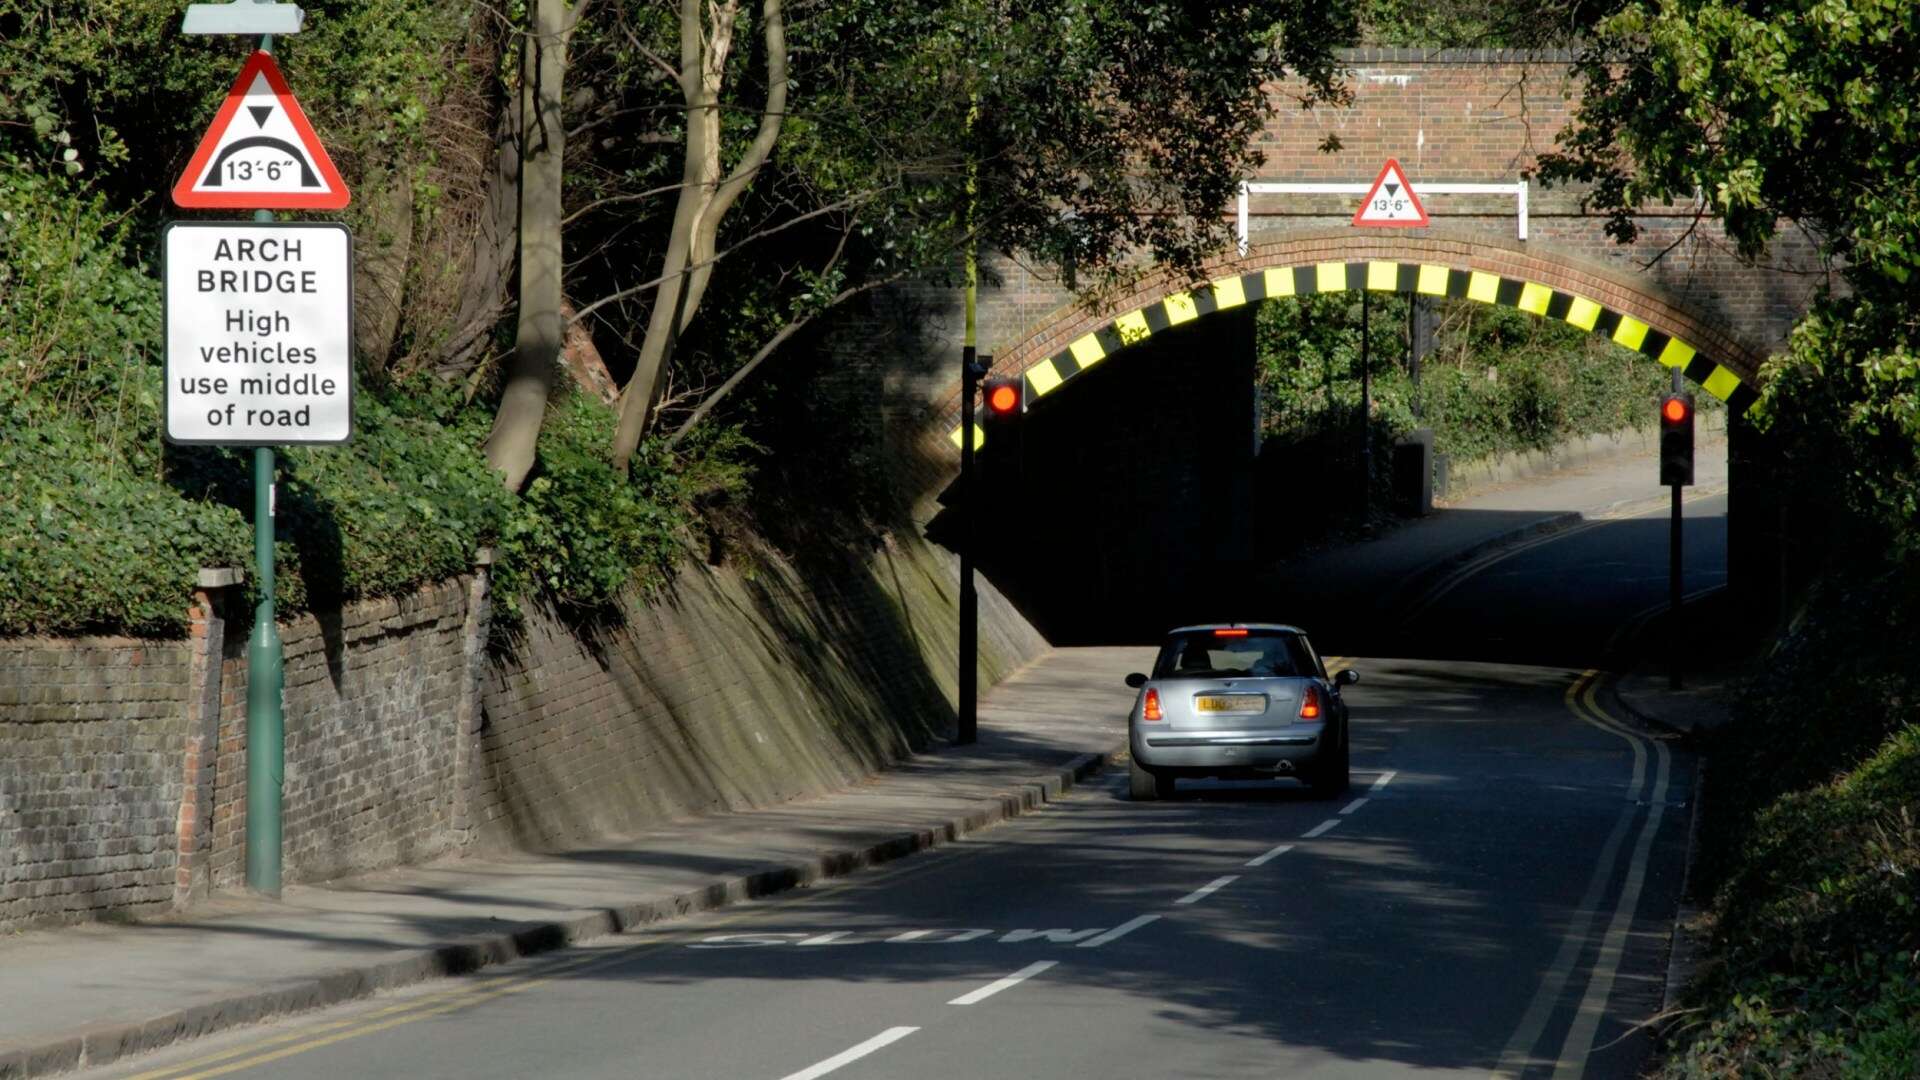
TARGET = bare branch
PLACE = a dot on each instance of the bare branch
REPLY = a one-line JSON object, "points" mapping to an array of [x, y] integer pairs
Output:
{"points": [[843, 204], [612, 199], [786, 333]]}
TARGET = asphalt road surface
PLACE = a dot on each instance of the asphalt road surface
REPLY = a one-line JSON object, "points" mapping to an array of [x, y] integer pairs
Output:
{"points": [[1492, 899]]}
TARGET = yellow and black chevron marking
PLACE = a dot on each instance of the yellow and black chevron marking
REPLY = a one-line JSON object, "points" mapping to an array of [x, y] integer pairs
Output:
{"points": [[1427, 279]]}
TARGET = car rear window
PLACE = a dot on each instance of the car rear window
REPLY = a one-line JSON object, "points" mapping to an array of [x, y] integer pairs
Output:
{"points": [[1201, 654]]}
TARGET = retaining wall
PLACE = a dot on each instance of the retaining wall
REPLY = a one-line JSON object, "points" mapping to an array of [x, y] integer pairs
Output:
{"points": [[413, 731]]}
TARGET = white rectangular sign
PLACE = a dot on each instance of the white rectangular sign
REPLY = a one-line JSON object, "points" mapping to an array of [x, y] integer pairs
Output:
{"points": [[259, 332]]}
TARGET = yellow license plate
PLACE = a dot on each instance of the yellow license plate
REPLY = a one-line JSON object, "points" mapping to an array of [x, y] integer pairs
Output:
{"points": [[1230, 703]]}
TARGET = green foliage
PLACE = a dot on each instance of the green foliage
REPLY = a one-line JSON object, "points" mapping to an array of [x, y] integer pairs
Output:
{"points": [[1497, 380], [87, 544], [406, 502], [1479, 24], [75, 317], [1801, 114], [1860, 1021], [581, 534], [1810, 846], [110, 88]]}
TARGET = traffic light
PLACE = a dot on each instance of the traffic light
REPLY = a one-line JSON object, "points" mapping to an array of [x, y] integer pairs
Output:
{"points": [[1676, 439], [1004, 400]]}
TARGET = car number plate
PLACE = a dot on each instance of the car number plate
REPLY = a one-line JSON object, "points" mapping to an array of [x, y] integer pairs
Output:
{"points": [[1230, 703]]}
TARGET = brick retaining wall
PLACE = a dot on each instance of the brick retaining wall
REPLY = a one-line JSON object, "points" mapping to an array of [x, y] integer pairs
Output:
{"points": [[123, 762], [91, 734]]}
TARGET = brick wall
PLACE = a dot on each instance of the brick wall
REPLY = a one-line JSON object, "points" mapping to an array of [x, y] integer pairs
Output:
{"points": [[91, 732], [123, 762], [733, 688], [372, 695]]}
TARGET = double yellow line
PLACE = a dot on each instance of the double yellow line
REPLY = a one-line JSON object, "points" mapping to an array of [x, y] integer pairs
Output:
{"points": [[439, 1003]]}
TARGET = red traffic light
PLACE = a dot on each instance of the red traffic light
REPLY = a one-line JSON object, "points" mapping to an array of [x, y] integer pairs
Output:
{"points": [[1674, 410], [1003, 398]]}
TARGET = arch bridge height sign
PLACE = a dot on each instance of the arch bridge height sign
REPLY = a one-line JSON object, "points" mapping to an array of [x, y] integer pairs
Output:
{"points": [[259, 332]]}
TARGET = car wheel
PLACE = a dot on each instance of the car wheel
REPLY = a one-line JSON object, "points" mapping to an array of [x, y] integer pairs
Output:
{"points": [[1141, 785], [1330, 775]]}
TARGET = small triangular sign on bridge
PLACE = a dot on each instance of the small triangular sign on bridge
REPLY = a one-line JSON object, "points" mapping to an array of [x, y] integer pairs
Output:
{"points": [[265, 158], [1391, 201]]}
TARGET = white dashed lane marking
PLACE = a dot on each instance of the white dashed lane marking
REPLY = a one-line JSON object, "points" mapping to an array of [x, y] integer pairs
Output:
{"points": [[845, 1057], [1354, 805], [1321, 829], [1262, 860], [998, 985], [1208, 889], [1120, 931]]}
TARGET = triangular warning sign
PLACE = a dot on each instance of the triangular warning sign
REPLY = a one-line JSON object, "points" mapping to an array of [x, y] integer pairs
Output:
{"points": [[265, 158], [1391, 201]]}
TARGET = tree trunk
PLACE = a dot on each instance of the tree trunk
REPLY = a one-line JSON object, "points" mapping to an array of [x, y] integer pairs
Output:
{"points": [[541, 328], [495, 249], [704, 198]]}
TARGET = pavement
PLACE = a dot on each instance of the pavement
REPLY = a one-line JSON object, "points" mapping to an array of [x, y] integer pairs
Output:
{"points": [[85, 996]]}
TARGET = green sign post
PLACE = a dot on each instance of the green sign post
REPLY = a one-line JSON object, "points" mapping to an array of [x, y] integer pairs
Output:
{"points": [[231, 285]]}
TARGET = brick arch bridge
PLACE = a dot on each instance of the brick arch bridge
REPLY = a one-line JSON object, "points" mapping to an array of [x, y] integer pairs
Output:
{"points": [[1637, 314], [1462, 118], [1450, 117]]}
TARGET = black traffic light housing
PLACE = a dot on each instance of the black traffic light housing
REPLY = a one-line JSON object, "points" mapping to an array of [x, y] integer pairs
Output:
{"points": [[1676, 439], [1003, 399]]}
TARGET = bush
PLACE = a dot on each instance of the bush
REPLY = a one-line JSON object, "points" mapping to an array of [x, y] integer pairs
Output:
{"points": [[581, 533], [1497, 380], [1810, 844], [89, 545]]}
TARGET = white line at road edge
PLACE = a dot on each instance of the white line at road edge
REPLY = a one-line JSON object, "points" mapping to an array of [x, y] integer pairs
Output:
{"points": [[1518, 1055], [1208, 889], [1593, 1005], [998, 985], [1321, 829], [884, 1039], [1119, 932], [1263, 860], [1385, 779], [1352, 806]]}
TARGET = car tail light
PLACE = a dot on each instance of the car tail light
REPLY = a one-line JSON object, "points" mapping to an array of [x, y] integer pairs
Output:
{"points": [[1310, 704], [1150, 708], [1230, 633]]}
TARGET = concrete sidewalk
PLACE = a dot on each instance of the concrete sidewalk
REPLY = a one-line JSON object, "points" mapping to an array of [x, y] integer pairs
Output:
{"points": [[89, 995]]}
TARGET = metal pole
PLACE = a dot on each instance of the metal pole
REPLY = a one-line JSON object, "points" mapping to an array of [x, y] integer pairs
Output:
{"points": [[1676, 636], [1366, 410], [967, 720], [266, 729], [968, 726]]}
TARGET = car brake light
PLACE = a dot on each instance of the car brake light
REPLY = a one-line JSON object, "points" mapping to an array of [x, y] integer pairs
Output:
{"points": [[1229, 633], [1150, 709], [1310, 704]]}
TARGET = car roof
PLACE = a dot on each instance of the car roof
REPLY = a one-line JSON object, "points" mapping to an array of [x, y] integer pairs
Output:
{"points": [[1237, 626]]}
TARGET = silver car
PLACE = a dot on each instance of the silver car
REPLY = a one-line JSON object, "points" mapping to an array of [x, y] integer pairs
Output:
{"points": [[1238, 701]]}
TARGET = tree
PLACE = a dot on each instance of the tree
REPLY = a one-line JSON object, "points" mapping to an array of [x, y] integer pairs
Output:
{"points": [[539, 125], [1779, 114], [1105, 131]]}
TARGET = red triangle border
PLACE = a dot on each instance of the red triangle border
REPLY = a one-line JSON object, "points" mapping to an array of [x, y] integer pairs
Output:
{"points": [[261, 63], [1392, 166]]}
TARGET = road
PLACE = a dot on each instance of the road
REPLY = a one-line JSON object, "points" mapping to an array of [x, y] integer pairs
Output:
{"points": [[1492, 899]]}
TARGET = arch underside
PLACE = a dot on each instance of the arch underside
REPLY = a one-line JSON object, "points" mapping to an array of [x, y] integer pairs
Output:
{"points": [[1049, 374]]}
